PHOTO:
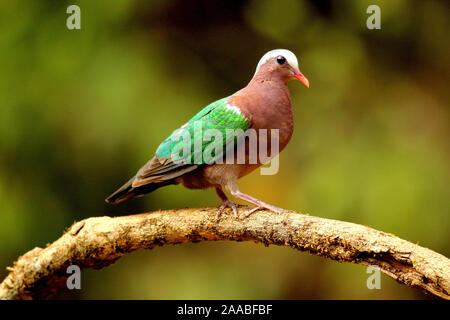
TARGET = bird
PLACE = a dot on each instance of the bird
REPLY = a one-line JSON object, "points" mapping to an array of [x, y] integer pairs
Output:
{"points": [[264, 104]]}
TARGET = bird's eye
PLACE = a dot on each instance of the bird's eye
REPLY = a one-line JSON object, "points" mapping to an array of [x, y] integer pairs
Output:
{"points": [[281, 60]]}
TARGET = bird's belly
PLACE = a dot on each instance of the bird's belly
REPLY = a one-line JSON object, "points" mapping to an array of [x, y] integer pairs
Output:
{"points": [[216, 175], [195, 179]]}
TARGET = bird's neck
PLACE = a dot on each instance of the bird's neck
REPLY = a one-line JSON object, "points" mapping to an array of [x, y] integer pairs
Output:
{"points": [[266, 101], [268, 78], [272, 87]]}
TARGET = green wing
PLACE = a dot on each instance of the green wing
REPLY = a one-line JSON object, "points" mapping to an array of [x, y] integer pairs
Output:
{"points": [[202, 140]]}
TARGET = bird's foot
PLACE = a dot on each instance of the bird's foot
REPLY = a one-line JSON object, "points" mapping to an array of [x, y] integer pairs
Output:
{"points": [[258, 203], [263, 206], [227, 204]]}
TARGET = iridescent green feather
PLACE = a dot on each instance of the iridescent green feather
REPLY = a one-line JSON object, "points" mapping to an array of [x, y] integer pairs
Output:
{"points": [[191, 136]]}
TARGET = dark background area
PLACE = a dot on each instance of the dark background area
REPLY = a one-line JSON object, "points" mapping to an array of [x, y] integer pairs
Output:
{"points": [[82, 110]]}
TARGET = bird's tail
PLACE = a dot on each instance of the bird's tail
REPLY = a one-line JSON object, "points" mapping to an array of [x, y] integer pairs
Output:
{"points": [[127, 191]]}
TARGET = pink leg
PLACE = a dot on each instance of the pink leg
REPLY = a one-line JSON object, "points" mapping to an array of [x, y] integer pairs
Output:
{"points": [[225, 203], [259, 204]]}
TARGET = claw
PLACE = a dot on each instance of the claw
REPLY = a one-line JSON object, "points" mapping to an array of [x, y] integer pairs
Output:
{"points": [[227, 204], [259, 204], [249, 212], [265, 206]]}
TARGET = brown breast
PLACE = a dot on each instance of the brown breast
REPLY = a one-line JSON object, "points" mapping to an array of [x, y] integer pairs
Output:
{"points": [[267, 104]]}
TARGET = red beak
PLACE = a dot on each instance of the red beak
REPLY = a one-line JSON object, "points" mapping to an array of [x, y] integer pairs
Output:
{"points": [[302, 78]]}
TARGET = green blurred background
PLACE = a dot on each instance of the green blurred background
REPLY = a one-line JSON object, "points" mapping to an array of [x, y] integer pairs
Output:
{"points": [[82, 110]]}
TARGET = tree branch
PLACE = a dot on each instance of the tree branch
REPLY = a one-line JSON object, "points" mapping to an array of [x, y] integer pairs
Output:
{"points": [[99, 242]]}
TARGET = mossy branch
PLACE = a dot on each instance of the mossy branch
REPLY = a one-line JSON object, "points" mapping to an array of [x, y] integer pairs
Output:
{"points": [[99, 242]]}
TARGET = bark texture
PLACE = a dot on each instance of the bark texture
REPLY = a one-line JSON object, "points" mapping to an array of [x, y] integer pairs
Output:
{"points": [[100, 241]]}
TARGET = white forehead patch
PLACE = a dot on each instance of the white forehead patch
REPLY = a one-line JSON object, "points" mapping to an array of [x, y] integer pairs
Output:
{"points": [[289, 55]]}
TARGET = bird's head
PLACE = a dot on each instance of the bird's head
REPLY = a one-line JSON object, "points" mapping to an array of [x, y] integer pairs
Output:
{"points": [[281, 63]]}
